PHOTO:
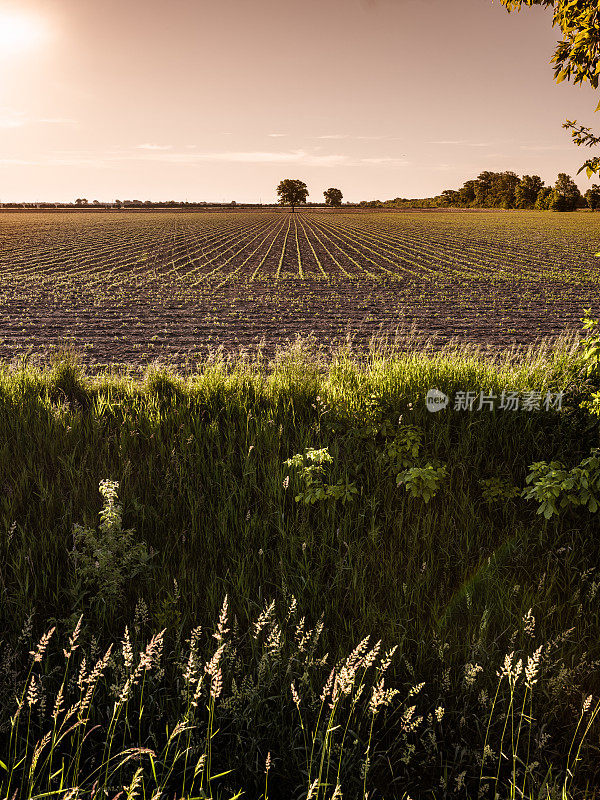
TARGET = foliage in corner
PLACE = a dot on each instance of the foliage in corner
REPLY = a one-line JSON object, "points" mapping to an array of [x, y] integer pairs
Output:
{"points": [[554, 487]]}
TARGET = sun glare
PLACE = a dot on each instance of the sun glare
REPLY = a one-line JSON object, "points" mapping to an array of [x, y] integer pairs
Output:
{"points": [[19, 32]]}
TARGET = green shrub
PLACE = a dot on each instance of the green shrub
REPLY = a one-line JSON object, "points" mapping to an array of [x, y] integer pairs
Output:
{"points": [[105, 560]]}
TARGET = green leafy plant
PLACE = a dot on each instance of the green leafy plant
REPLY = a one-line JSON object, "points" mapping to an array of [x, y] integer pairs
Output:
{"points": [[423, 482], [311, 469], [497, 489], [592, 405], [554, 487], [104, 560], [404, 449], [590, 346]]}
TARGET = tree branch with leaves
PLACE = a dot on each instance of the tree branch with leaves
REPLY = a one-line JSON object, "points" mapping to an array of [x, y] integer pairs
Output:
{"points": [[576, 57]]}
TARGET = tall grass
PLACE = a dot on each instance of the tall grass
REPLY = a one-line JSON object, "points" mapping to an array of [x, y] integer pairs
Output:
{"points": [[206, 505]]}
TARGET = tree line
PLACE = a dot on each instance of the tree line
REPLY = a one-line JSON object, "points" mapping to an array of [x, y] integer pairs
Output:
{"points": [[507, 190]]}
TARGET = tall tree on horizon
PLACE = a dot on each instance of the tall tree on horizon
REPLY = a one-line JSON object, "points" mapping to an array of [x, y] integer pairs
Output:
{"points": [[333, 197], [292, 192]]}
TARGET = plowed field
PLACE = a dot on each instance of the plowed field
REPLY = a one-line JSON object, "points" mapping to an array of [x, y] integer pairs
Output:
{"points": [[127, 287]]}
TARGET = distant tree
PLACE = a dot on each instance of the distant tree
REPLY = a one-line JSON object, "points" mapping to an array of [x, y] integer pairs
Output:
{"points": [[450, 197], [496, 189], [557, 202], [233, 204], [467, 193], [527, 191], [505, 189], [333, 197], [81, 201], [292, 192], [483, 188], [118, 203], [543, 199], [592, 197], [566, 194]]}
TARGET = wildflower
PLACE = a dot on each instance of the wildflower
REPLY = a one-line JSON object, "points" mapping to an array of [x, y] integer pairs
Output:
{"points": [[532, 668], [587, 703], [151, 656], [268, 763], [327, 688], [274, 641], [295, 695], [471, 672], [216, 685], [92, 680], [286, 481], [58, 704], [212, 666], [132, 791], [529, 624], [387, 659], [127, 650], [416, 689], [439, 713], [264, 619], [38, 653], [488, 753], [507, 671], [73, 639], [222, 628], [33, 694], [371, 656], [37, 752], [409, 722], [191, 670]]}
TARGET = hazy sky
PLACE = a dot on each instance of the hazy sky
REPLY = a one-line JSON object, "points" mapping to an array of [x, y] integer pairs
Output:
{"points": [[221, 99]]}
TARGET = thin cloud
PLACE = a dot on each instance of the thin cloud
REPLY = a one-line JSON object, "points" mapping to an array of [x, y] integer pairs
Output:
{"points": [[378, 138], [17, 162], [154, 146], [301, 157], [11, 118], [462, 142], [249, 157], [276, 135], [190, 159], [544, 147], [58, 121], [386, 162]]}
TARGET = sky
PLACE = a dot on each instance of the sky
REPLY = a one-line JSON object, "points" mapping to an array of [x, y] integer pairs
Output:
{"points": [[218, 100]]}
